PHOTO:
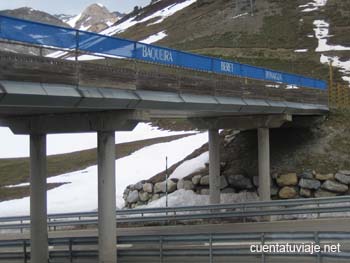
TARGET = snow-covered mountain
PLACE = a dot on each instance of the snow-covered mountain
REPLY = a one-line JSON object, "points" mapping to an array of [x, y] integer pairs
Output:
{"points": [[95, 17]]}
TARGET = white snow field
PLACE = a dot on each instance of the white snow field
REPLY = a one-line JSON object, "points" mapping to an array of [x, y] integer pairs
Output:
{"points": [[154, 38], [18, 145], [80, 191], [161, 15]]}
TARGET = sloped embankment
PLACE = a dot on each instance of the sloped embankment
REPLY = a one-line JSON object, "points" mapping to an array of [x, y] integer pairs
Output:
{"points": [[311, 161]]}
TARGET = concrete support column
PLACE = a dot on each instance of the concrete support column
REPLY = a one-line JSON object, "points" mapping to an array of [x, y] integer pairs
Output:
{"points": [[106, 197], [264, 164], [214, 167], [38, 199]]}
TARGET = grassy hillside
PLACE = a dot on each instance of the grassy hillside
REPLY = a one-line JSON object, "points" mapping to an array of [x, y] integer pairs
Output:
{"points": [[269, 38], [16, 171]]}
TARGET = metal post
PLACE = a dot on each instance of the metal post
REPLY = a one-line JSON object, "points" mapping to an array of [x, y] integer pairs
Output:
{"points": [[214, 166], [38, 199], [161, 249], [25, 251], [70, 250], [317, 242], [264, 164], [166, 183], [262, 252], [106, 197], [211, 248]]}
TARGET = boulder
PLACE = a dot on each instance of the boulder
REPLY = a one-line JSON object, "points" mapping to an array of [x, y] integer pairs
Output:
{"points": [[334, 186], [133, 196], [137, 186], [148, 188], [324, 177], [345, 172], [309, 184], [306, 174], [323, 193], [161, 187], [144, 196], [240, 182], [289, 179], [204, 180], [287, 192], [185, 184], [228, 190], [126, 193], [345, 179], [305, 192], [196, 179], [223, 182]]}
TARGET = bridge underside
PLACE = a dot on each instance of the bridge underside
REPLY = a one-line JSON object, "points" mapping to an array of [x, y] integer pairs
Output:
{"points": [[28, 98]]}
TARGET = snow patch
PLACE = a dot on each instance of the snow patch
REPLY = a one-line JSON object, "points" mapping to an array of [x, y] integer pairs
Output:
{"points": [[189, 198], [240, 15], [190, 166], [73, 21], [336, 62], [322, 34], [79, 193], [313, 6], [161, 15], [154, 38], [301, 50]]}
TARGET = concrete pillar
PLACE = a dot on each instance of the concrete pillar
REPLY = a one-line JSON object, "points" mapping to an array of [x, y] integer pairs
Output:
{"points": [[106, 197], [214, 167], [38, 199], [264, 164]]}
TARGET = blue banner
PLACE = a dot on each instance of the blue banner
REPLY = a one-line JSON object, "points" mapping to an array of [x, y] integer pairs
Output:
{"points": [[66, 38]]}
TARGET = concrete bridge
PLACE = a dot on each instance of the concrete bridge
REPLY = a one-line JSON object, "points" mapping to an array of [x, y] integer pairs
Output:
{"points": [[41, 95]]}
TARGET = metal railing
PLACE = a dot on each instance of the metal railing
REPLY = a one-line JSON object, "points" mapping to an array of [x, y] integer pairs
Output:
{"points": [[313, 206], [187, 248], [80, 41]]}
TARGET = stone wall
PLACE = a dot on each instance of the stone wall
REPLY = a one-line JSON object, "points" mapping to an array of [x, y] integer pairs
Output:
{"points": [[283, 186]]}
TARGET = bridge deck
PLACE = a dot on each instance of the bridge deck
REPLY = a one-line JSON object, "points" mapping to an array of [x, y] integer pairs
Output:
{"points": [[122, 74]]}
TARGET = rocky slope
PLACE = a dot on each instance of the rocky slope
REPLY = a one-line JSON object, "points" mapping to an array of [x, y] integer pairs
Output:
{"points": [[35, 15], [95, 18]]}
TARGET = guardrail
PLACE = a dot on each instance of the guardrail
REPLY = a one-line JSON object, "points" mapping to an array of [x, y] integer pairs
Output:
{"points": [[189, 248], [76, 40], [316, 206]]}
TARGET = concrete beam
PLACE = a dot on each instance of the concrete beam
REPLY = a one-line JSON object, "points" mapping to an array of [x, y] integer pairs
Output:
{"points": [[214, 167], [305, 121], [264, 164], [122, 120], [242, 122], [38, 199], [106, 197]]}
